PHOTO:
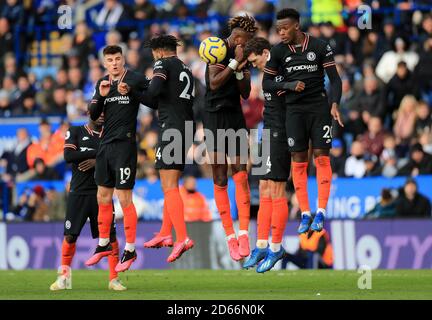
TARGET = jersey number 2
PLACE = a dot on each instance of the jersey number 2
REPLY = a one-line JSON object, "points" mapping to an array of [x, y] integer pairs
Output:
{"points": [[185, 94]]}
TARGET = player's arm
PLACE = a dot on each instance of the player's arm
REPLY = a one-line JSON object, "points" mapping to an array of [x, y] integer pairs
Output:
{"points": [[243, 82], [329, 66], [97, 103], [142, 94], [219, 74], [71, 151]]}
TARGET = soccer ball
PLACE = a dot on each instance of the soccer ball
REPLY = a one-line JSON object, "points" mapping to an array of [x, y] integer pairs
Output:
{"points": [[212, 50]]}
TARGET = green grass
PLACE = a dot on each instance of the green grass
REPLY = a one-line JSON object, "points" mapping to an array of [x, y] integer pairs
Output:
{"points": [[221, 285]]}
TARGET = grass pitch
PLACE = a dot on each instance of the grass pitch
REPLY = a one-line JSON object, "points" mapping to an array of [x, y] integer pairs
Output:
{"points": [[220, 285]]}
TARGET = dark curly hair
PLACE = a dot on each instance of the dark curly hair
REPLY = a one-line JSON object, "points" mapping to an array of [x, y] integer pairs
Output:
{"points": [[165, 41], [246, 22]]}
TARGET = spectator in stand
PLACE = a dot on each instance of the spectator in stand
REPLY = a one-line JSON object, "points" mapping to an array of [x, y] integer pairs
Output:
{"points": [[389, 160], [426, 141], [144, 10], [84, 45], [387, 65], [370, 101], [419, 162], [5, 105], [373, 139], [195, 204], [17, 158], [424, 119], [42, 172], [348, 106], [337, 158], [48, 149], [385, 208], [355, 165], [60, 102], [110, 15], [27, 106], [61, 78], [75, 79], [373, 167], [44, 97], [11, 69], [386, 39], [404, 126], [113, 38], [13, 11], [399, 86], [412, 204], [32, 205], [6, 40], [423, 71]]}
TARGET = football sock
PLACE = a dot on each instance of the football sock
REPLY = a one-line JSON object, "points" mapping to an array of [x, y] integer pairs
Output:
{"points": [[166, 227], [262, 244], [264, 219], [242, 196], [130, 223], [323, 211], [324, 177], [223, 206], [299, 175], [105, 216], [113, 259], [307, 213], [103, 242], [231, 236], [68, 251], [279, 219], [175, 209], [130, 247], [275, 247]]}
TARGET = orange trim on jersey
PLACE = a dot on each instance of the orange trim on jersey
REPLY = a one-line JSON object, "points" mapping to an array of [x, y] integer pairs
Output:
{"points": [[279, 93], [330, 64], [88, 129], [69, 145], [270, 71], [292, 48], [305, 42]]}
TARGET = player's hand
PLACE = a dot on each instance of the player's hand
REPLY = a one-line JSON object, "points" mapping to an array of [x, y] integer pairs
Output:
{"points": [[87, 164], [300, 86], [242, 65], [104, 88], [336, 114], [239, 54], [123, 88]]}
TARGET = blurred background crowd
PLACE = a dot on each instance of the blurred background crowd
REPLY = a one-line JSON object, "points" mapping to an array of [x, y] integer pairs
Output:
{"points": [[49, 66]]}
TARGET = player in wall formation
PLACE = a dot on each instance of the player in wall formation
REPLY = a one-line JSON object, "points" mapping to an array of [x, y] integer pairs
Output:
{"points": [[298, 113]]}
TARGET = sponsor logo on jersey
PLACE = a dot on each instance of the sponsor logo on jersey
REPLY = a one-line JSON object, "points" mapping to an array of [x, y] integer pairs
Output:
{"points": [[85, 138], [308, 67], [267, 96], [118, 99], [83, 149], [279, 78], [288, 59], [311, 56]]}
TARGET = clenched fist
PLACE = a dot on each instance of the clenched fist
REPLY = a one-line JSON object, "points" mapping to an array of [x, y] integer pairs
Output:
{"points": [[123, 88], [104, 88]]}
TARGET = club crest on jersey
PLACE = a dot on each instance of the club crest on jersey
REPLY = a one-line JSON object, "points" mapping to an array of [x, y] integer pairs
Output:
{"points": [[288, 59], [291, 142], [311, 56]]}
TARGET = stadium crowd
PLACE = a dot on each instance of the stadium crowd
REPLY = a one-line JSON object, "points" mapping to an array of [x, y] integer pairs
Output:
{"points": [[386, 73]]}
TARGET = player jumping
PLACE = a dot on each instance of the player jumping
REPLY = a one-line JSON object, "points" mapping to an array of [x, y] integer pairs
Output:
{"points": [[117, 157], [226, 82], [309, 116], [82, 143], [173, 87], [273, 208]]}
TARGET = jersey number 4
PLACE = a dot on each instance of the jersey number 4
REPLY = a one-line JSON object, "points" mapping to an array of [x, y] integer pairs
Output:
{"points": [[185, 95]]}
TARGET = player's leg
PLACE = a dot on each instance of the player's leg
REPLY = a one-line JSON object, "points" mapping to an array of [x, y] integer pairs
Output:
{"points": [[123, 163], [64, 279], [164, 237], [175, 207], [242, 196], [263, 225], [298, 144], [130, 221], [105, 218], [113, 259], [220, 187], [321, 143], [278, 223]]}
